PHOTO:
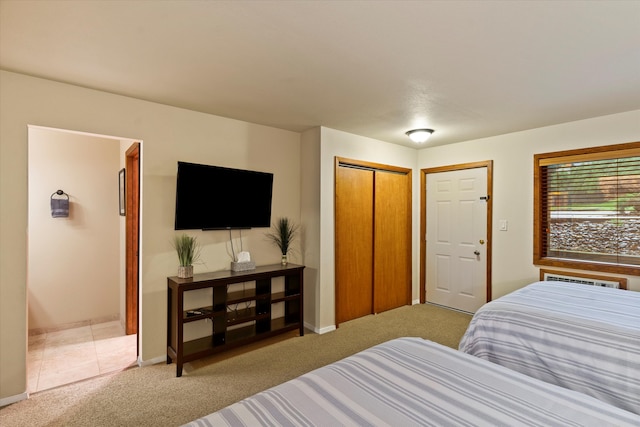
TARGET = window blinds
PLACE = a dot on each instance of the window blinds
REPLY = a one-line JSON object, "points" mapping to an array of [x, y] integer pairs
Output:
{"points": [[591, 208]]}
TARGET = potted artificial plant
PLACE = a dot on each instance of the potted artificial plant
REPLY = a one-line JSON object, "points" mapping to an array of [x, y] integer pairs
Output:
{"points": [[283, 235], [188, 250]]}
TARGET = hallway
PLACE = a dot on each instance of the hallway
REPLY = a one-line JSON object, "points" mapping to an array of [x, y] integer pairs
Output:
{"points": [[70, 355]]}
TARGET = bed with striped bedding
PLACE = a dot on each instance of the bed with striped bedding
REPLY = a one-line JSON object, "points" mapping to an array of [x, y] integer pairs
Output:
{"points": [[580, 337], [414, 382]]}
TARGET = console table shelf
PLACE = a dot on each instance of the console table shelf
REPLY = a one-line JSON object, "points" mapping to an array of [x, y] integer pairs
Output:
{"points": [[228, 325]]}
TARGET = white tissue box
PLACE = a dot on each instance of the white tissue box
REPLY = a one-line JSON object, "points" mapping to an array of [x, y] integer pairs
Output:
{"points": [[243, 266]]}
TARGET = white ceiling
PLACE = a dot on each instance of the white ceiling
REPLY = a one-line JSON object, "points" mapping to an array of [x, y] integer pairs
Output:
{"points": [[468, 69]]}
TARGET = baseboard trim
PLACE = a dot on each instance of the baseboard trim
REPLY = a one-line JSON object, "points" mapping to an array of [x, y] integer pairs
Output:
{"points": [[13, 399], [154, 361], [324, 330], [79, 324]]}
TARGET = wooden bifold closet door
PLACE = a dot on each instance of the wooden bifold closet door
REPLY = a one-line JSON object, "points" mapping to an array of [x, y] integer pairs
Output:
{"points": [[373, 238]]}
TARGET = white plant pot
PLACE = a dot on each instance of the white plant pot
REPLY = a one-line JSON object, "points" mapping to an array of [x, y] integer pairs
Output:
{"points": [[185, 271]]}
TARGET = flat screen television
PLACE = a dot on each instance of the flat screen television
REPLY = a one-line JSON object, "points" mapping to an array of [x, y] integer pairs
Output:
{"points": [[218, 198]]}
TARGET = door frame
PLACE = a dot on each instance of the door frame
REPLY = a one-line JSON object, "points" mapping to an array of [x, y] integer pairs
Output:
{"points": [[423, 219]]}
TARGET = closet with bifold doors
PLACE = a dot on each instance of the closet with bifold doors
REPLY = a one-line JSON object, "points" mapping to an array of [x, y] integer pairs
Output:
{"points": [[372, 238]]}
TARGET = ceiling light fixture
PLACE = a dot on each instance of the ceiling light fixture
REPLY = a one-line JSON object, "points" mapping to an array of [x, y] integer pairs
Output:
{"points": [[419, 135]]}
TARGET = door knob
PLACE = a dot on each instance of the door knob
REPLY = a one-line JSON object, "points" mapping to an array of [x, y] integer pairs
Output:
{"points": [[476, 252]]}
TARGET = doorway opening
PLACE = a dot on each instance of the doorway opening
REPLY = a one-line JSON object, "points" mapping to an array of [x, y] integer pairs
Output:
{"points": [[77, 270]]}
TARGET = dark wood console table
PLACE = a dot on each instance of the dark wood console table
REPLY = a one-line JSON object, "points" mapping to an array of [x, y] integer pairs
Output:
{"points": [[229, 326]]}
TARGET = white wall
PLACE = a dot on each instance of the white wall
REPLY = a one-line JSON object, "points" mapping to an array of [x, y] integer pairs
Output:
{"points": [[513, 184], [73, 263], [169, 134]]}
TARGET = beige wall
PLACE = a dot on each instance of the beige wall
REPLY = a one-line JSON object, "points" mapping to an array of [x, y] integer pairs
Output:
{"points": [[169, 134], [310, 219], [124, 145], [513, 184], [303, 190], [73, 263]]}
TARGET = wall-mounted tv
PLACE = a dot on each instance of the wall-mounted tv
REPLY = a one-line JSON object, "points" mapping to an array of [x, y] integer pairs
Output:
{"points": [[218, 198]]}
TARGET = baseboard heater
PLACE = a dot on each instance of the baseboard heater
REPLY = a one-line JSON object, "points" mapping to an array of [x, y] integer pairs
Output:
{"points": [[584, 279]]}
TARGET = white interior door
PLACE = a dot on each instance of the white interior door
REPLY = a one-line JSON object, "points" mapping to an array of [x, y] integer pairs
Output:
{"points": [[456, 237]]}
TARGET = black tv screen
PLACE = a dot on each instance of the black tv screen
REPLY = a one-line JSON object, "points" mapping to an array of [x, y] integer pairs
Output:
{"points": [[217, 198]]}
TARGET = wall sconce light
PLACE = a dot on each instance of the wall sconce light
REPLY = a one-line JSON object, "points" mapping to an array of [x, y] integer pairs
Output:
{"points": [[419, 135]]}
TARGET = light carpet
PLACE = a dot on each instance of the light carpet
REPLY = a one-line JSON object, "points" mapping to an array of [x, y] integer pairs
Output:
{"points": [[154, 396]]}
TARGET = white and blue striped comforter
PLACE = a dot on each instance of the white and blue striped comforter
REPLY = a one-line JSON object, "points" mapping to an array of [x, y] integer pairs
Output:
{"points": [[413, 382], [580, 337]]}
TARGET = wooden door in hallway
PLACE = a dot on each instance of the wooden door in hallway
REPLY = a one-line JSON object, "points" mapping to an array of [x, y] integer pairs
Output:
{"points": [[132, 214], [373, 238]]}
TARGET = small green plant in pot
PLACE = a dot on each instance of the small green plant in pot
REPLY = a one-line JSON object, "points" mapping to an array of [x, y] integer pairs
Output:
{"points": [[188, 250], [283, 235]]}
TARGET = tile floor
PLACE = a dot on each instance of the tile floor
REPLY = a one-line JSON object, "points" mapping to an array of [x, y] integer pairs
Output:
{"points": [[66, 356]]}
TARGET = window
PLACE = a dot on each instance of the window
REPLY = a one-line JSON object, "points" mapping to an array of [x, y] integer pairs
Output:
{"points": [[587, 209]]}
